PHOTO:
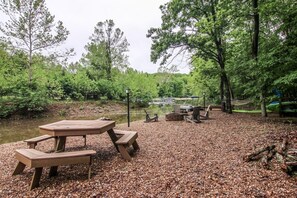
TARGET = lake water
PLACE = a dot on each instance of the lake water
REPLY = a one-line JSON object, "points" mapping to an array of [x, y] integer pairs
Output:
{"points": [[17, 130]]}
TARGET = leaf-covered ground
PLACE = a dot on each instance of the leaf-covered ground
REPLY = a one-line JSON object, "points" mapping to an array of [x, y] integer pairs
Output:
{"points": [[176, 159]]}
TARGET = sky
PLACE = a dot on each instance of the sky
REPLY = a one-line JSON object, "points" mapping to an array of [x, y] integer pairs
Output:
{"points": [[133, 17]]}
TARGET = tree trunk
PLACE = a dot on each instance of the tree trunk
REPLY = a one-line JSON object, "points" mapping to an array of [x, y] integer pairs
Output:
{"points": [[263, 105], [224, 86], [228, 93], [30, 73], [280, 111], [255, 44], [223, 105]]}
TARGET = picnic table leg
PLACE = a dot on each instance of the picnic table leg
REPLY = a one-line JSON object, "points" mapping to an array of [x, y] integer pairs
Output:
{"points": [[36, 178], [59, 147], [85, 140], [90, 166], [124, 153], [56, 142], [19, 168], [135, 145], [113, 138]]}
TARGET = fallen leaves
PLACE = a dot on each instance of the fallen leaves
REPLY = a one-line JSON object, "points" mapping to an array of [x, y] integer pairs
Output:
{"points": [[176, 159]]}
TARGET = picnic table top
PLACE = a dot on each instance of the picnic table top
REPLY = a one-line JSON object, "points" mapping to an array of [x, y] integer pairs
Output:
{"points": [[76, 127]]}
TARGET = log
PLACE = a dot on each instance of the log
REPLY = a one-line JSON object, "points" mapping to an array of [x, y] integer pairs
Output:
{"points": [[291, 163], [280, 158], [292, 152], [271, 154], [284, 146], [255, 156], [267, 158], [264, 161]]}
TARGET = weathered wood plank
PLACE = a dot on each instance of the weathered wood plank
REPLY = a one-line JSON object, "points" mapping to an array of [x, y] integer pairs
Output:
{"points": [[38, 160], [33, 141]]}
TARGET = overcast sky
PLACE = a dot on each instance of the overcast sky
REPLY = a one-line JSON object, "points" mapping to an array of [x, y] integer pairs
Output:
{"points": [[133, 17]]}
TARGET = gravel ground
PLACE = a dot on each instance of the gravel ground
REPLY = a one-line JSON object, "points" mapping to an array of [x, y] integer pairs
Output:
{"points": [[176, 159]]}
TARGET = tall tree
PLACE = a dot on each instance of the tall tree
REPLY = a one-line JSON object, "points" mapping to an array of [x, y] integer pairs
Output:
{"points": [[195, 26], [255, 49], [31, 27], [107, 48]]}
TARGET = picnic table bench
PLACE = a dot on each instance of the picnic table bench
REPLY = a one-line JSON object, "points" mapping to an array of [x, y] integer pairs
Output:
{"points": [[37, 159], [32, 143], [126, 139]]}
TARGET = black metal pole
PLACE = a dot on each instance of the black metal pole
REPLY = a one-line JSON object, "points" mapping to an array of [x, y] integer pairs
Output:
{"points": [[128, 105]]}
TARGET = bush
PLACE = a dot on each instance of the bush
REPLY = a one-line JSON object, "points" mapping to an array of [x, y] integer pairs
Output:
{"points": [[33, 102], [7, 108]]}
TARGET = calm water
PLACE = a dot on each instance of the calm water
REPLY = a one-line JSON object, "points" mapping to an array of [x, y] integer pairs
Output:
{"points": [[17, 130]]}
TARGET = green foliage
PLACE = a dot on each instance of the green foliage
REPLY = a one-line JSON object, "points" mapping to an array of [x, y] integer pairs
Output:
{"points": [[204, 79], [106, 50], [30, 28], [197, 27], [29, 97], [24, 99], [273, 107], [217, 34], [7, 107], [171, 87]]}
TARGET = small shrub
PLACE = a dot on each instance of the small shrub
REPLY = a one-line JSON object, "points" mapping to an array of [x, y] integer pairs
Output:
{"points": [[6, 109]]}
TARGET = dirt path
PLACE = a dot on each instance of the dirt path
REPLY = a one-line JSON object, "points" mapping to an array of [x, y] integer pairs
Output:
{"points": [[177, 159]]}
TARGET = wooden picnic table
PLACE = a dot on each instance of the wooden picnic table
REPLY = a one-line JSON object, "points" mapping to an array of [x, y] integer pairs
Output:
{"points": [[62, 129]]}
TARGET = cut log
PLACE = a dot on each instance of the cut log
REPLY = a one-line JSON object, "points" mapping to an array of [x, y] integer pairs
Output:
{"points": [[268, 157], [291, 163], [284, 146], [256, 155], [292, 152]]}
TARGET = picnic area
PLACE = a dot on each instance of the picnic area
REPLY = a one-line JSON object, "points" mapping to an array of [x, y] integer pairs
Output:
{"points": [[148, 99], [176, 159]]}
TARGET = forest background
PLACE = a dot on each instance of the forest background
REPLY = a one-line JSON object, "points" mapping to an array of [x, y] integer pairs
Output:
{"points": [[235, 50]]}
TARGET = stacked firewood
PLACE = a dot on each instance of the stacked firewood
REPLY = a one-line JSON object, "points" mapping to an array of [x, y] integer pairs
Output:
{"points": [[282, 153]]}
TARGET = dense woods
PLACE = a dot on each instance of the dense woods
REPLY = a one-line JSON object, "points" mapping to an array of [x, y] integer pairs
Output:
{"points": [[235, 49]]}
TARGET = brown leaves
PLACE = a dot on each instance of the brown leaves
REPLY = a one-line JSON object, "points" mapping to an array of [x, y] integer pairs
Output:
{"points": [[176, 159]]}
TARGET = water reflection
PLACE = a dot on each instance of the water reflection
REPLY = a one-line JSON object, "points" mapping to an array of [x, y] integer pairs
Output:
{"points": [[17, 130]]}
